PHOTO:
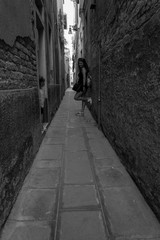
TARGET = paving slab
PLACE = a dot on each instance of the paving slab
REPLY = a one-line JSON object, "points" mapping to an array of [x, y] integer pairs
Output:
{"points": [[43, 178], [50, 152], [113, 177], [54, 132], [73, 123], [75, 143], [74, 131], [54, 140], [102, 163], [59, 123], [88, 121], [49, 164], [77, 168], [27, 231], [101, 148], [58, 116], [93, 132], [61, 113], [34, 204], [129, 214], [79, 196], [82, 226]]}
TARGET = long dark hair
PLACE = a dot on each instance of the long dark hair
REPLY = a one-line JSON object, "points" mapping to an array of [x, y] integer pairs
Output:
{"points": [[84, 64]]}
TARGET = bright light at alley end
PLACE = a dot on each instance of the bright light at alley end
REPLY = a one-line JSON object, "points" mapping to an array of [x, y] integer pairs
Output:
{"points": [[74, 28]]}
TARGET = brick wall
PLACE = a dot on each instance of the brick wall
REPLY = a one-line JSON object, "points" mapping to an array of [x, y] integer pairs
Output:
{"points": [[127, 35], [18, 64], [19, 121]]}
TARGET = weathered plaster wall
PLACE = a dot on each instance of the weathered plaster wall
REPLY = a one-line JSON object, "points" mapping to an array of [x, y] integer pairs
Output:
{"points": [[20, 131], [19, 141], [15, 20], [128, 33]]}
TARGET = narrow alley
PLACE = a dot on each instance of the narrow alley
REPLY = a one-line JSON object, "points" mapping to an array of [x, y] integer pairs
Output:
{"points": [[77, 188]]}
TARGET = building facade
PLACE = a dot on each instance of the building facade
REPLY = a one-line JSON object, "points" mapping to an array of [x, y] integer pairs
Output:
{"points": [[60, 49], [121, 45], [67, 68], [29, 38]]}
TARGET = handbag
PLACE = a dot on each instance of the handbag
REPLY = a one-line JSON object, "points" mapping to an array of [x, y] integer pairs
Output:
{"points": [[89, 81]]}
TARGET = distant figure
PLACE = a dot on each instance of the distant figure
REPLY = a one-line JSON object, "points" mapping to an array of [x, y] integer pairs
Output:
{"points": [[42, 95], [82, 80]]}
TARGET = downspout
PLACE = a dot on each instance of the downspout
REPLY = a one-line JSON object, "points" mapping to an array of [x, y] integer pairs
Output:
{"points": [[99, 85]]}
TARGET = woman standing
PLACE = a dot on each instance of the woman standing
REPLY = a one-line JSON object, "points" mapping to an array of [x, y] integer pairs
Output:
{"points": [[82, 80]]}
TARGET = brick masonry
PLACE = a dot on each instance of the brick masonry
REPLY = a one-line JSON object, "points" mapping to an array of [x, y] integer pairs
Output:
{"points": [[18, 64], [20, 131], [127, 36]]}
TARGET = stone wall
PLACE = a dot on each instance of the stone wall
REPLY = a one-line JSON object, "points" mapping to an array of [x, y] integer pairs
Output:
{"points": [[20, 131], [126, 37]]}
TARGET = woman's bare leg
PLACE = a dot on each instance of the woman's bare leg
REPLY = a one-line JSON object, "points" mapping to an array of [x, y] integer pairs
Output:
{"points": [[78, 96]]}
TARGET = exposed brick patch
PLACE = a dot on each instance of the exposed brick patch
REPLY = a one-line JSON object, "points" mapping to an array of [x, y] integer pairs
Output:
{"points": [[18, 64]]}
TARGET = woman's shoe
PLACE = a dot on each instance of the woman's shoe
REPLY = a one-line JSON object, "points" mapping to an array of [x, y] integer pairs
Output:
{"points": [[89, 100], [80, 114]]}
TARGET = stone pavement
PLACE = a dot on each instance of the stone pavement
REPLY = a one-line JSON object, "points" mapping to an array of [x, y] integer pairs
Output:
{"points": [[77, 188]]}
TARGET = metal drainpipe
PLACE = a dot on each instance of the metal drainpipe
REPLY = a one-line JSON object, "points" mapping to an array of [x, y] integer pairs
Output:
{"points": [[99, 85]]}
